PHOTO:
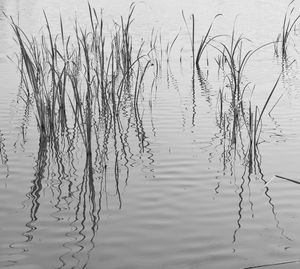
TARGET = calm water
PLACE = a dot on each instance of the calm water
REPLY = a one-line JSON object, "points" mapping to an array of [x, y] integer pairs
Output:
{"points": [[180, 202]]}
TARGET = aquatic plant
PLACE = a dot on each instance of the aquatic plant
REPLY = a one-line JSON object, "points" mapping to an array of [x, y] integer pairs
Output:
{"points": [[205, 41], [170, 46], [235, 110], [191, 35], [92, 79], [109, 71], [288, 25]]}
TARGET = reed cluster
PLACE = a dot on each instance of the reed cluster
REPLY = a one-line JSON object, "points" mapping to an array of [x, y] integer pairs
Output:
{"points": [[236, 113], [89, 80], [240, 113]]}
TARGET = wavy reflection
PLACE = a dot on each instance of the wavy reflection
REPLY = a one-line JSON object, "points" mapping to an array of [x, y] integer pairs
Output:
{"points": [[57, 180], [25, 122], [272, 205], [234, 148], [3, 154], [36, 188], [203, 81]]}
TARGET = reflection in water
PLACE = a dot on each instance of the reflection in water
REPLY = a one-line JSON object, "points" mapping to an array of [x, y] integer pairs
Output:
{"points": [[240, 208], [241, 194], [66, 194], [23, 129], [193, 98], [233, 146], [36, 188], [172, 80], [203, 81], [82, 197], [3, 154]]}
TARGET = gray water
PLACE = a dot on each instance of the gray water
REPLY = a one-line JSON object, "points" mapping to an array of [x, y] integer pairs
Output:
{"points": [[181, 203]]}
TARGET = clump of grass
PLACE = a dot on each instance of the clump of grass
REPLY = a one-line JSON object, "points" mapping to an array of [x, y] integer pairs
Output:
{"points": [[236, 58], [38, 59], [233, 60], [88, 80]]}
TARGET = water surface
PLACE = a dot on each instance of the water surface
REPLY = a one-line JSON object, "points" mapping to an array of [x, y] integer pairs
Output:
{"points": [[181, 201]]}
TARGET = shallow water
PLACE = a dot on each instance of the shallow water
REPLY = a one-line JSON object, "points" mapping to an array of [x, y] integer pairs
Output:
{"points": [[181, 202]]}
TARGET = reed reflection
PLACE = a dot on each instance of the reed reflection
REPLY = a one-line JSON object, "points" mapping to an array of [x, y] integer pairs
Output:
{"points": [[36, 188], [69, 192], [3, 154], [234, 150], [25, 122]]}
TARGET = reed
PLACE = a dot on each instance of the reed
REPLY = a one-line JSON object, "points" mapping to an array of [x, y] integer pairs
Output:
{"points": [[253, 123], [287, 27], [170, 46], [191, 34], [205, 41], [234, 58]]}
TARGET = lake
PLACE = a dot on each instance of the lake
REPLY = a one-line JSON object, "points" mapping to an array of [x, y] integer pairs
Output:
{"points": [[177, 177]]}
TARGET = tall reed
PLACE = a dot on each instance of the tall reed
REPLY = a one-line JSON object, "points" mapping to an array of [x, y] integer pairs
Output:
{"points": [[205, 41], [287, 27]]}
